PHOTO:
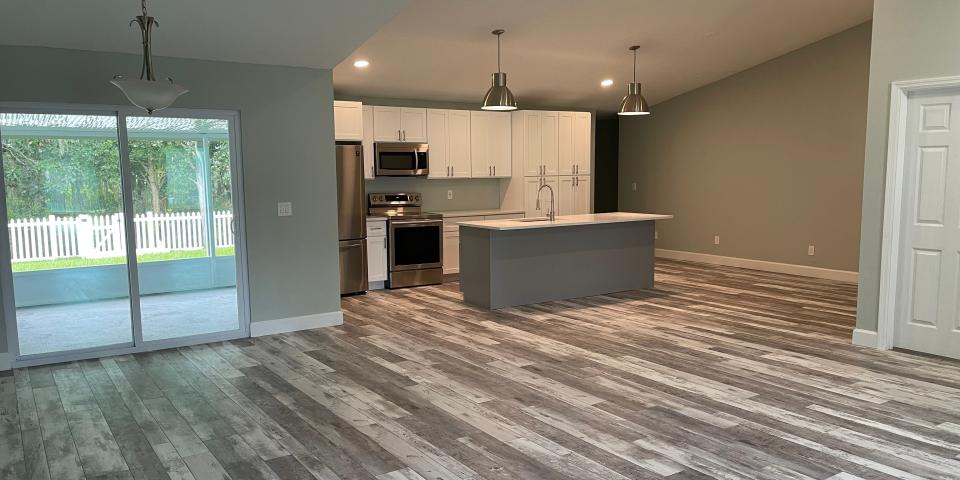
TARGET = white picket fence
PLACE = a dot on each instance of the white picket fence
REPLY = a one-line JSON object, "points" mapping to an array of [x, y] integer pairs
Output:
{"points": [[100, 236]]}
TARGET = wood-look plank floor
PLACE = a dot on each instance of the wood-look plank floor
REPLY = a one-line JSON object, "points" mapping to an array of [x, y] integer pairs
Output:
{"points": [[718, 373]]}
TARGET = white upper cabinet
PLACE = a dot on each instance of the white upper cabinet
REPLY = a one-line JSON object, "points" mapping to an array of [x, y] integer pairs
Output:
{"points": [[549, 153], [582, 147], [528, 136], [387, 124], [551, 143], [448, 134], [490, 147], [574, 139], [438, 134], [400, 124], [368, 142], [458, 151], [565, 122], [413, 125], [348, 120]]}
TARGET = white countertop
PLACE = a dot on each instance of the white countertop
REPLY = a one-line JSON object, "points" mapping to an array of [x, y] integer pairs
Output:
{"points": [[478, 213], [567, 220]]}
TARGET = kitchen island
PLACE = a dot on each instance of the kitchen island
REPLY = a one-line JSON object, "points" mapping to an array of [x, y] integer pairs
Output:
{"points": [[504, 263]]}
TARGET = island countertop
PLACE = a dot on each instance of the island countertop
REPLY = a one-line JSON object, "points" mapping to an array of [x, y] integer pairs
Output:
{"points": [[566, 221]]}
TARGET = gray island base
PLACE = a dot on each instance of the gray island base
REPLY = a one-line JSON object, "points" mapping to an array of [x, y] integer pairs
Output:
{"points": [[504, 264]]}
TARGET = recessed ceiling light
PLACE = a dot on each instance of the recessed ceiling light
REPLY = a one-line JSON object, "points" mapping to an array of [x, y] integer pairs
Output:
{"points": [[606, 83], [361, 64]]}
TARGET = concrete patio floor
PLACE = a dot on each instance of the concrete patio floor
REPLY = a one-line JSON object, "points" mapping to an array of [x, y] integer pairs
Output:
{"points": [[58, 328]]}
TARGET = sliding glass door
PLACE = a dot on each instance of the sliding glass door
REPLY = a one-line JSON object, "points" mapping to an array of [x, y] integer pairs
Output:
{"points": [[65, 214], [183, 205], [122, 232]]}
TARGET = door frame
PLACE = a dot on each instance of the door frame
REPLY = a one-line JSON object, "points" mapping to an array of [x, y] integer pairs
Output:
{"points": [[137, 344], [893, 203]]}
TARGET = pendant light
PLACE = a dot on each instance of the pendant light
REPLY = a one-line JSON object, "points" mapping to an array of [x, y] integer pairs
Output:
{"points": [[499, 97], [634, 103], [148, 93]]}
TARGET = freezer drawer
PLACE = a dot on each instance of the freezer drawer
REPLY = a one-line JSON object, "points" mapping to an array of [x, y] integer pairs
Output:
{"points": [[353, 266]]}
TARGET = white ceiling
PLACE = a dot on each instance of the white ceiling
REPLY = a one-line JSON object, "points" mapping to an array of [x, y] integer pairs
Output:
{"points": [[555, 52], [304, 33]]}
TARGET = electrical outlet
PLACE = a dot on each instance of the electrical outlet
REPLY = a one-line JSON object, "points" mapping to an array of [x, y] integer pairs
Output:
{"points": [[284, 209], [656, 235], [634, 186], [449, 194], [716, 239], [811, 250]]}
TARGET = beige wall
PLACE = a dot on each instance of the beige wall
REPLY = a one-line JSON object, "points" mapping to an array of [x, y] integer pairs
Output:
{"points": [[912, 40], [770, 159], [286, 117]]}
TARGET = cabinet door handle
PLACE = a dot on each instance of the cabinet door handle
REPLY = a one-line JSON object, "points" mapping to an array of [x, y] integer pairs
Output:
{"points": [[398, 135], [494, 170]]}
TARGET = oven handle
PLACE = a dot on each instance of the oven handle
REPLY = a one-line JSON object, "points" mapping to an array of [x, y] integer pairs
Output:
{"points": [[402, 223]]}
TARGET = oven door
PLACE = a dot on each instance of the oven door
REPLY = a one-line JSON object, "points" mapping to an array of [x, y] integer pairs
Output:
{"points": [[415, 244], [401, 159]]}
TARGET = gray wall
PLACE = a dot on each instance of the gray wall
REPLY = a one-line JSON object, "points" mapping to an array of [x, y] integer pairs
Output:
{"points": [[287, 147], [769, 158], [911, 40]]}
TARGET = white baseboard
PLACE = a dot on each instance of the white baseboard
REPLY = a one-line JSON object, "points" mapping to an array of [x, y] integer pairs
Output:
{"points": [[292, 324], [5, 363], [816, 272], [864, 338]]}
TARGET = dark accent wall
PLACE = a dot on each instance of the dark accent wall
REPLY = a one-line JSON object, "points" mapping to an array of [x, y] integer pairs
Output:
{"points": [[606, 163]]}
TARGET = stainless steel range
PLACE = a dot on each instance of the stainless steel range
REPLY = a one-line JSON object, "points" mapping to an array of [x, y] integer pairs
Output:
{"points": [[415, 239]]}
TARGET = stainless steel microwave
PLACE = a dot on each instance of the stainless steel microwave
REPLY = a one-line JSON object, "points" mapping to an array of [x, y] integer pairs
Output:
{"points": [[392, 159]]}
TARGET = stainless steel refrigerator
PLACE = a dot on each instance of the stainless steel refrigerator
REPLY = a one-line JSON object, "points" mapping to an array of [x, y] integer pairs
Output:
{"points": [[353, 219]]}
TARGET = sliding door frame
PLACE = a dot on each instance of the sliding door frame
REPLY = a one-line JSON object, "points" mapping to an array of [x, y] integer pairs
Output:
{"points": [[137, 345]]}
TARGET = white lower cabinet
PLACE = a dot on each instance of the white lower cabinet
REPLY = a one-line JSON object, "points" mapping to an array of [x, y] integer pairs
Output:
{"points": [[451, 252], [376, 251]]}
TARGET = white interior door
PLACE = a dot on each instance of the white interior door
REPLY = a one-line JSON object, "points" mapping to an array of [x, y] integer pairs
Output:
{"points": [[928, 319]]}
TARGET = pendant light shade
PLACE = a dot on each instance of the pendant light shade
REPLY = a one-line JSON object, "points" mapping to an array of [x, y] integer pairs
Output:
{"points": [[633, 102], [146, 92], [499, 97]]}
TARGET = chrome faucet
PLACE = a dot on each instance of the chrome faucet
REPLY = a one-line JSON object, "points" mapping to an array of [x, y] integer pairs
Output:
{"points": [[552, 215]]}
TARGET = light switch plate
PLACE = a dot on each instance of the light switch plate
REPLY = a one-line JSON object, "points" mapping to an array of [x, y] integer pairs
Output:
{"points": [[284, 209], [449, 194], [716, 239]]}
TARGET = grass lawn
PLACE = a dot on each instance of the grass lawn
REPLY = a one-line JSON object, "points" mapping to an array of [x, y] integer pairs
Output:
{"points": [[73, 262]]}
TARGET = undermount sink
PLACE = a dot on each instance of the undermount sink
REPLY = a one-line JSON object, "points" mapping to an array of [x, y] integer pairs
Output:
{"points": [[531, 219]]}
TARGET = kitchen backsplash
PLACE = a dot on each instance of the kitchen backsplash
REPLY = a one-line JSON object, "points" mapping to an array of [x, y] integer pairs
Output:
{"points": [[468, 194]]}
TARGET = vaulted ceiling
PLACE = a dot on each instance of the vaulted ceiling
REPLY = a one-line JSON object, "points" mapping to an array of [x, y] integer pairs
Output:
{"points": [[303, 33], [556, 52]]}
